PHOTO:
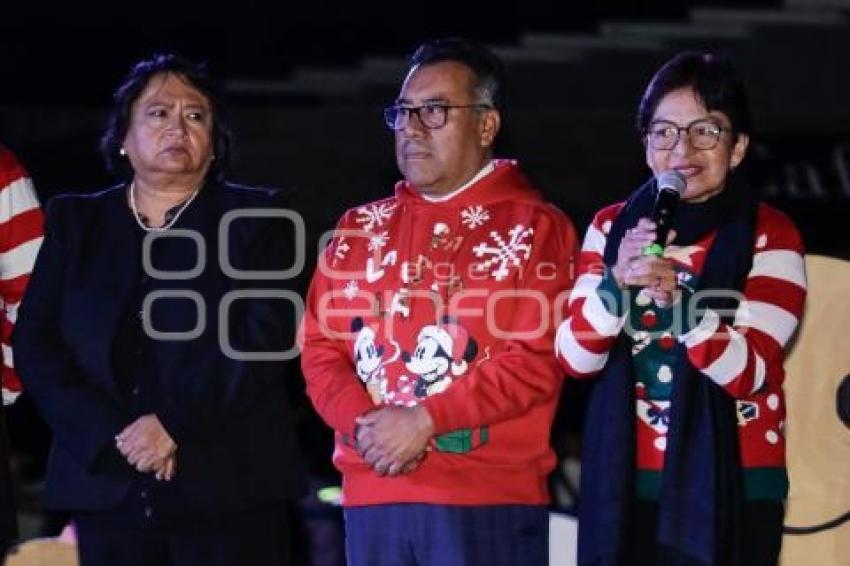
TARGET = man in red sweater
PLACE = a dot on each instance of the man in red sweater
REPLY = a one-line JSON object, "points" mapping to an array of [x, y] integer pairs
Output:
{"points": [[428, 335]]}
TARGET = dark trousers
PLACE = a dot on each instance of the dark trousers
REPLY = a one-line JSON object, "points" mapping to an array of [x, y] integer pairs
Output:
{"points": [[126, 537], [412, 534], [8, 523], [760, 541]]}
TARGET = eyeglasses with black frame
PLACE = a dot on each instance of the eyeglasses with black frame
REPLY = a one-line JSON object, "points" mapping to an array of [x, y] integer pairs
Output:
{"points": [[432, 115], [702, 134]]}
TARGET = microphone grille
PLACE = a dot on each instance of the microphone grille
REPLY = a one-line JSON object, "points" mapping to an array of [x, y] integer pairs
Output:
{"points": [[672, 180]]}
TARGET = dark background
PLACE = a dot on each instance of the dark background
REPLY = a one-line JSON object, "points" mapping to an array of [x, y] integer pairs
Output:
{"points": [[306, 83]]}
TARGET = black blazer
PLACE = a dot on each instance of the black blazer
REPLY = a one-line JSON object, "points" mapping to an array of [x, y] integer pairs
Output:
{"points": [[230, 418]]}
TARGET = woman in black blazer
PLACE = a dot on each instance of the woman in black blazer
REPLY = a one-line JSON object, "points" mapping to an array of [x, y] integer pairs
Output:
{"points": [[154, 338]]}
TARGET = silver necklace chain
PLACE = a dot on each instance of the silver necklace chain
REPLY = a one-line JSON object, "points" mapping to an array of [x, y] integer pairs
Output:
{"points": [[165, 226]]}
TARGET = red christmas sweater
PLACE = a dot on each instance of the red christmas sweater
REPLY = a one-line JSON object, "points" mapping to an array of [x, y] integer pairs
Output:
{"points": [[21, 233], [745, 358], [451, 305]]}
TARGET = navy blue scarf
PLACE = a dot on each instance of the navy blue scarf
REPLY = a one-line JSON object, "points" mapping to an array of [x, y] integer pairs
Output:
{"points": [[699, 504]]}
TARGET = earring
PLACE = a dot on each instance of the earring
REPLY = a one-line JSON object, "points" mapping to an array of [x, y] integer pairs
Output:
{"points": [[122, 151]]}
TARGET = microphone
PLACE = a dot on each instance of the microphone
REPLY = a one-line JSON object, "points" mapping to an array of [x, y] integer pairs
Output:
{"points": [[671, 185]]}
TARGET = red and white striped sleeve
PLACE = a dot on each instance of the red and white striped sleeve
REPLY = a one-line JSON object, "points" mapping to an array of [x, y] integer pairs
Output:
{"points": [[743, 356], [21, 233], [596, 312]]}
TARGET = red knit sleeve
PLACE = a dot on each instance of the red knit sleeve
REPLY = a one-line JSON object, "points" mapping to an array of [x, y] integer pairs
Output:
{"points": [[741, 357], [332, 384], [21, 233], [596, 312]]}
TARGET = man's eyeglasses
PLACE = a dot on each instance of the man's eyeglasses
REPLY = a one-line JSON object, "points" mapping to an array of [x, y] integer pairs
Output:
{"points": [[702, 134], [432, 115]]}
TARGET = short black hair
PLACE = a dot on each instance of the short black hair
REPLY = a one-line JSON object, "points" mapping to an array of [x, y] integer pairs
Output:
{"points": [[713, 79], [484, 64], [118, 122]]}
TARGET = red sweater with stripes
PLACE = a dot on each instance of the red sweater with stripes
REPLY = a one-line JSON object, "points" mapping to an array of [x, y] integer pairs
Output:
{"points": [[447, 304], [21, 229], [745, 358]]}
